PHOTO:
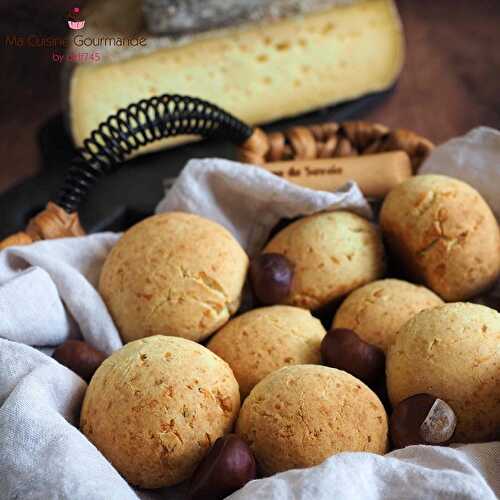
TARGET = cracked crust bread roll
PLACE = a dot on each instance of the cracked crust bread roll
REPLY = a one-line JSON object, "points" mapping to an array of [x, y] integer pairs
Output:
{"points": [[260, 72], [173, 274], [445, 235], [378, 310], [266, 339], [155, 407], [300, 415], [453, 353], [333, 254]]}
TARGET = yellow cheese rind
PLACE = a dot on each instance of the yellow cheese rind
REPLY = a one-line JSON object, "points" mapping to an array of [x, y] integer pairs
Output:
{"points": [[260, 73]]}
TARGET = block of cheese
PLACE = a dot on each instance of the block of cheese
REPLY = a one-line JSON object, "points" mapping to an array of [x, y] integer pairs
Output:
{"points": [[260, 72]]}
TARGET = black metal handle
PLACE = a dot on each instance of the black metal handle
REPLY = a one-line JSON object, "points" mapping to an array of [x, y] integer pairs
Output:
{"points": [[139, 124]]}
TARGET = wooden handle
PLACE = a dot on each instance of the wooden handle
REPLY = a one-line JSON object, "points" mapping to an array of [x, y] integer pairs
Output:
{"points": [[333, 140], [375, 174]]}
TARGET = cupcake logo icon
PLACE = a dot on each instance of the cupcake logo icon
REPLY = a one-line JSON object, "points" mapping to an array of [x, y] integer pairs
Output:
{"points": [[75, 21]]}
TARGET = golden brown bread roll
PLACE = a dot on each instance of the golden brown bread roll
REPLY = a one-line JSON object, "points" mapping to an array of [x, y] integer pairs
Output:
{"points": [[266, 339], [173, 274], [444, 233], [155, 407], [300, 415], [333, 253], [378, 310], [451, 352]]}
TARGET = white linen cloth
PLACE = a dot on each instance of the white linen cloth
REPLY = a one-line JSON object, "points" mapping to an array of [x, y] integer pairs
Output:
{"points": [[48, 294], [475, 159]]}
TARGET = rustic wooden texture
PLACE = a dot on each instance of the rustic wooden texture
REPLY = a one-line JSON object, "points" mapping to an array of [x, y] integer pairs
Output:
{"points": [[29, 83], [450, 82], [451, 79]]}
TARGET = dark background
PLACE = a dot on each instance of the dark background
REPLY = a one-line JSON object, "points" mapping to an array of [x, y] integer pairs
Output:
{"points": [[450, 83]]}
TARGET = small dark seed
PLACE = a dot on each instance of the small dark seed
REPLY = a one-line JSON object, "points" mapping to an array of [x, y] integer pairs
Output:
{"points": [[422, 419], [227, 467], [79, 357], [344, 349], [271, 275]]}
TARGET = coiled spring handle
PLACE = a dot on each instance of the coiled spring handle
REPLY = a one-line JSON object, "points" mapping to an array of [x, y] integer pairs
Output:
{"points": [[140, 124]]}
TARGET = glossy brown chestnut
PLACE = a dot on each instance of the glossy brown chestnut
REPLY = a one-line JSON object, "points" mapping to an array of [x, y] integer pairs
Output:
{"points": [[344, 349], [79, 357], [422, 419], [229, 465], [271, 275]]}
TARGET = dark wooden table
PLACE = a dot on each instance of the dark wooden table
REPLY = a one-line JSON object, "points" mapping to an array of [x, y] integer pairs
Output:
{"points": [[450, 83]]}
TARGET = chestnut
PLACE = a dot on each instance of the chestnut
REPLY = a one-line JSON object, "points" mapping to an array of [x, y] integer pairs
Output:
{"points": [[343, 349], [271, 275], [79, 357], [422, 419], [227, 467]]}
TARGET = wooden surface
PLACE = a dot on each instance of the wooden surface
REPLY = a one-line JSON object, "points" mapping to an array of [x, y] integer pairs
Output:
{"points": [[450, 82]]}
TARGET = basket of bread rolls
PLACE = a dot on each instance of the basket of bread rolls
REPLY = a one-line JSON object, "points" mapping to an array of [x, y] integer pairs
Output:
{"points": [[340, 333], [355, 335]]}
